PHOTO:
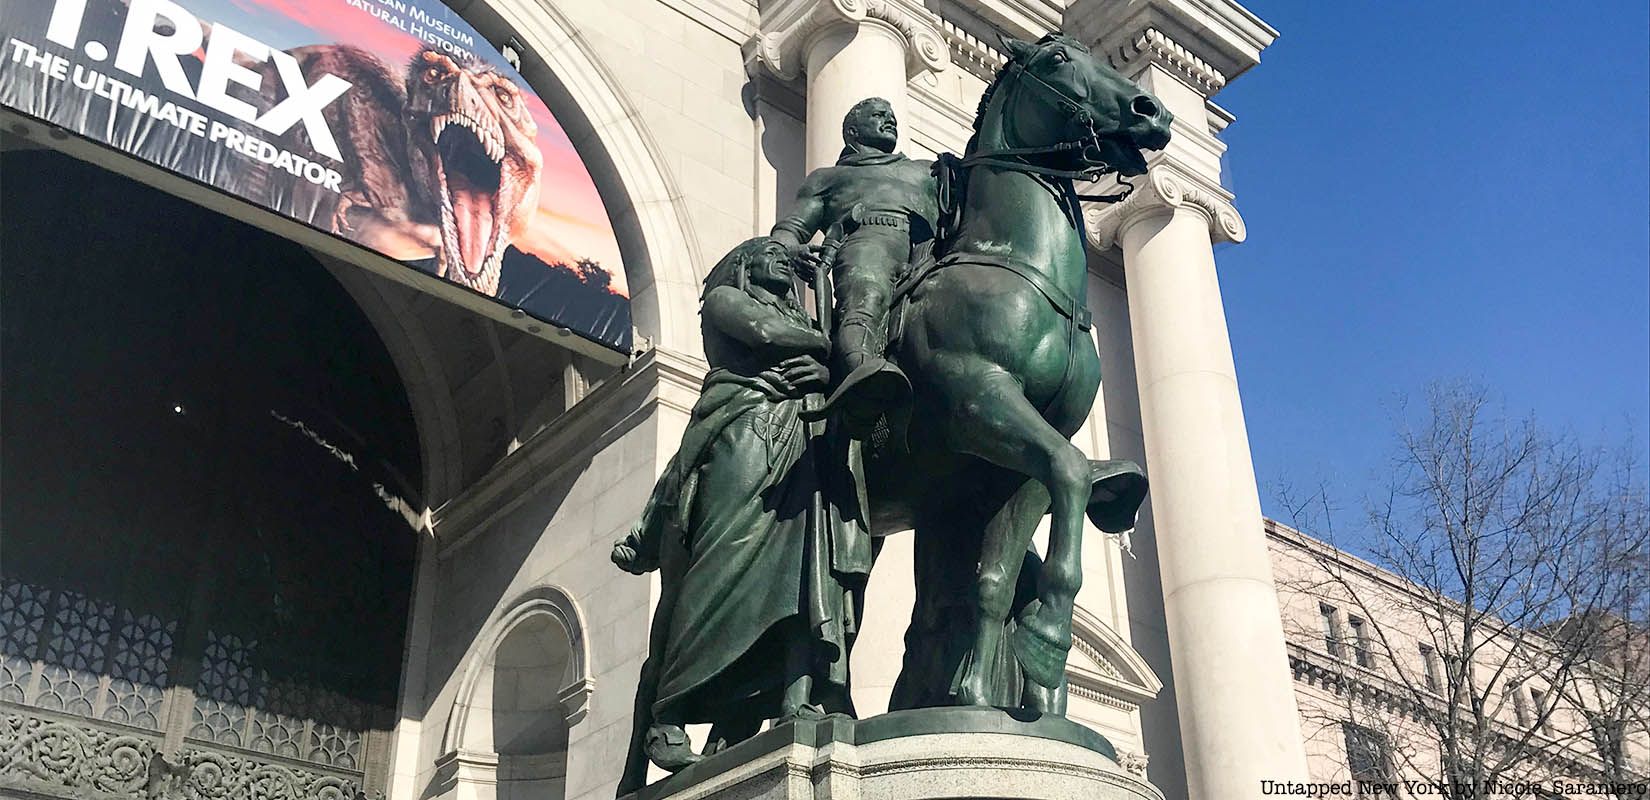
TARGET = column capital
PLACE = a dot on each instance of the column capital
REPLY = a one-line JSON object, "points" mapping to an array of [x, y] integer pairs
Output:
{"points": [[1161, 190], [1204, 43], [789, 26]]}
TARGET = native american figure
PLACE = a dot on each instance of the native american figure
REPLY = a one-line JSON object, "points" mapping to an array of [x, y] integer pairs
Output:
{"points": [[756, 530]]}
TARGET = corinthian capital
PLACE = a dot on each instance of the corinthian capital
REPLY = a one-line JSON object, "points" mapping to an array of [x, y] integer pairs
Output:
{"points": [[1161, 190], [789, 26]]}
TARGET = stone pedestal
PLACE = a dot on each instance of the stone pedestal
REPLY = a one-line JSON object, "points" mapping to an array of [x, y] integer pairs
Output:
{"points": [[925, 754]]}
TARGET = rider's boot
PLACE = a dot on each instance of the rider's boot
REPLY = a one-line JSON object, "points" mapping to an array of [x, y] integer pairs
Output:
{"points": [[870, 384]]}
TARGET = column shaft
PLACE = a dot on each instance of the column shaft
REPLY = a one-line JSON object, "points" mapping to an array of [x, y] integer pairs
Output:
{"points": [[847, 63], [1238, 720]]}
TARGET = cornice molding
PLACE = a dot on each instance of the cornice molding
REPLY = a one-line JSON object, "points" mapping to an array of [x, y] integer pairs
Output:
{"points": [[1152, 46], [1374, 691], [1121, 678], [788, 27], [1162, 190], [976, 57], [1206, 43]]}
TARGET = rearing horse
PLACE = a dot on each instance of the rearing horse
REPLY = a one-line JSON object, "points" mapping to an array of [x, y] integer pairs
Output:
{"points": [[994, 335]]}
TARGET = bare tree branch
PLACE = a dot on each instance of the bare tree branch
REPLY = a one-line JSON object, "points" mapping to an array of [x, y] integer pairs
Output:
{"points": [[1522, 564]]}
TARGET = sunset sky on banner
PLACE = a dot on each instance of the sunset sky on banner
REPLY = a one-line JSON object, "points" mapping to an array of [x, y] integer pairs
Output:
{"points": [[571, 221]]}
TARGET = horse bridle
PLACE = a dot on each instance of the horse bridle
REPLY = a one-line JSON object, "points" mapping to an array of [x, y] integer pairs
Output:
{"points": [[1088, 144]]}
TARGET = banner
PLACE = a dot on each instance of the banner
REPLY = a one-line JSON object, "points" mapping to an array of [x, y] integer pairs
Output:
{"points": [[390, 123]]}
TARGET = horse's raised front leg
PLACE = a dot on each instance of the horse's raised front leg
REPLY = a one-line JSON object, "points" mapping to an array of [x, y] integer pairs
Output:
{"points": [[998, 424]]}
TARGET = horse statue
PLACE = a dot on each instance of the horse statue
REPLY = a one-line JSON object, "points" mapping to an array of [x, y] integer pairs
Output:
{"points": [[758, 527], [993, 334]]}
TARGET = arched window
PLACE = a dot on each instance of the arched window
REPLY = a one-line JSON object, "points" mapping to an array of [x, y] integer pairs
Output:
{"points": [[524, 691]]}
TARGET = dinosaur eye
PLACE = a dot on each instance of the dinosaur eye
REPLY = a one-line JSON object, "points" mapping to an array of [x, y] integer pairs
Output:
{"points": [[431, 74], [505, 96]]}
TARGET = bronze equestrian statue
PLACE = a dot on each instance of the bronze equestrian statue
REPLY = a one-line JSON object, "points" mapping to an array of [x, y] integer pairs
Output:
{"points": [[994, 337], [991, 335]]}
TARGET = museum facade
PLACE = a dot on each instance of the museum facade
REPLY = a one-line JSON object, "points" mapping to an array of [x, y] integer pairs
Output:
{"points": [[286, 517]]}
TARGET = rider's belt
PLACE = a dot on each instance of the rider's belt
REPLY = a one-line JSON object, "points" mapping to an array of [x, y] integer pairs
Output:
{"points": [[887, 220], [862, 217]]}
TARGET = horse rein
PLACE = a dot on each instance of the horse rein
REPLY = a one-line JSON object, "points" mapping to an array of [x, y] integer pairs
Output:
{"points": [[1090, 142], [950, 169]]}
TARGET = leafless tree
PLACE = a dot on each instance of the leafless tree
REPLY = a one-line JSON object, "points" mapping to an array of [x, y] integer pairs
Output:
{"points": [[1502, 637]]}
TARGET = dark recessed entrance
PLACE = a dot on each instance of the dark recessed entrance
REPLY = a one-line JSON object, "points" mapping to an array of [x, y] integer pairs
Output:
{"points": [[207, 469]]}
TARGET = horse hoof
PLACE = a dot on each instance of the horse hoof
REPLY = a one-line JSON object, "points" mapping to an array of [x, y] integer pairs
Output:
{"points": [[1117, 488], [1041, 645], [804, 712], [669, 748], [1044, 700]]}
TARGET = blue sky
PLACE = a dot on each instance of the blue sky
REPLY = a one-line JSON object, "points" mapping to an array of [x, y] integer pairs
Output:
{"points": [[1434, 191]]}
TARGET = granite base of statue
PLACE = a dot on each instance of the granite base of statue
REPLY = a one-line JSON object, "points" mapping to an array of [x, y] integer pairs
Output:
{"points": [[931, 391], [921, 754]]}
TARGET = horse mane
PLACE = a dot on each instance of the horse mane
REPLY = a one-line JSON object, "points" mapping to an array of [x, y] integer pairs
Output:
{"points": [[1002, 72]]}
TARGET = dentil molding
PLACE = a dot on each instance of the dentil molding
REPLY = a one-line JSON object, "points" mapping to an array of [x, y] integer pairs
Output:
{"points": [[1152, 46], [788, 27], [1204, 43], [1163, 189], [976, 57]]}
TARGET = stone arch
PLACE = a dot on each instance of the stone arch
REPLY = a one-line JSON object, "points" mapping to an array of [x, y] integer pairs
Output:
{"points": [[526, 685], [435, 415], [663, 263]]}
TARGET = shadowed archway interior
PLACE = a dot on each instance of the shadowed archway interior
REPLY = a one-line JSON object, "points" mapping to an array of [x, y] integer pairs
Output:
{"points": [[210, 474]]}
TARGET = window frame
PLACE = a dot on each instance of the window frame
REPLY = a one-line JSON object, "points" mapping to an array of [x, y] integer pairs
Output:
{"points": [[1376, 744], [1332, 630], [1360, 642], [1429, 663]]}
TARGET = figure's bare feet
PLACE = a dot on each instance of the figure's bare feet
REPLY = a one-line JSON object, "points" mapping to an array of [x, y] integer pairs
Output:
{"points": [[972, 691]]}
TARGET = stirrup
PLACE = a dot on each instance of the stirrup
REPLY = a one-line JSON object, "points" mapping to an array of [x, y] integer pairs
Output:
{"points": [[872, 388]]}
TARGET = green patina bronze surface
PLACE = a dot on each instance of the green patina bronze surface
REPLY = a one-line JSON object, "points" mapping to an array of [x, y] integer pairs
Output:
{"points": [[757, 535], [962, 363], [878, 209], [994, 338]]}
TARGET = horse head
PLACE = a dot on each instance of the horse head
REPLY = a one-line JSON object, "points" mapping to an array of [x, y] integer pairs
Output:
{"points": [[1060, 99]]}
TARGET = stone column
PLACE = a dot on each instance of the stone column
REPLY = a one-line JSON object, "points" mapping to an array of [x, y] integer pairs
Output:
{"points": [[849, 50], [1238, 721]]}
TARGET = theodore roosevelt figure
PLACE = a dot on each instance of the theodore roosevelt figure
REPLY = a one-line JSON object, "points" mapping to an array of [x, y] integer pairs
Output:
{"points": [[886, 205]]}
